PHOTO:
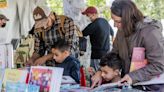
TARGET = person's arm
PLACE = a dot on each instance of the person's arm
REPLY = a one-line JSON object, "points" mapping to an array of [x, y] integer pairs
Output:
{"points": [[39, 49], [75, 72], [89, 29], [43, 59], [154, 47]]}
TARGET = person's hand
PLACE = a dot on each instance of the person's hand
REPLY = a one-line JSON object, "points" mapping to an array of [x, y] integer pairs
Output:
{"points": [[91, 71], [29, 62], [96, 79], [40, 61], [126, 79]]}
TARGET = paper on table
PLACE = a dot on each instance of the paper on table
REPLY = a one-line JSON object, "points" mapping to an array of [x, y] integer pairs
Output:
{"points": [[68, 80], [105, 86]]}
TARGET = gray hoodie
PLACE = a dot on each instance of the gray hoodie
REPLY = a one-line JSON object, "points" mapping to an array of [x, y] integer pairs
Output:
{"points": [[148, 35]]}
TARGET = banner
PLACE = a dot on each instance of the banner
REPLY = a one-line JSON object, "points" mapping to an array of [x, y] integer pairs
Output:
{"points": [[3, 3]]}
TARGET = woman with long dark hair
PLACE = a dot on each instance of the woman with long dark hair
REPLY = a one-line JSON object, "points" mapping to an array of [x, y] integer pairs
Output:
{"points": [[135, 30]]}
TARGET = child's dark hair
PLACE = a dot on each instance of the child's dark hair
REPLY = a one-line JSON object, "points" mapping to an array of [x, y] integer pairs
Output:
{"points": [[112, 60], [61, 45]]}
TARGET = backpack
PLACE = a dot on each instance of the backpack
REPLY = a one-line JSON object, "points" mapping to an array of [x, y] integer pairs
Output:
{"points": [[82, 40]]}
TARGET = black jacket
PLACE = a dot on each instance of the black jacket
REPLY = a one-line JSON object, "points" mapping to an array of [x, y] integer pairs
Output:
{"points": [[98, 31], [71, 68]]}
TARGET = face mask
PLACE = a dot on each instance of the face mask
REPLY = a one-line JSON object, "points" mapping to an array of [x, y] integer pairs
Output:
{"points": [[3, 25]]}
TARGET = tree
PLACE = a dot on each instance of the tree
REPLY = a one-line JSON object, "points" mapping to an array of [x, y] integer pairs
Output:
{"points": [[101, 5], [152, 8], [56, 6]]}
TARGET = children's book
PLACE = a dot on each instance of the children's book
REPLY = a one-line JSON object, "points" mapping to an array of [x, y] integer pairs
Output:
{"points": [[33, 88], [138, 59], [105, 86], [15, 76], [20, 87], [48, 78], [16, 87]]}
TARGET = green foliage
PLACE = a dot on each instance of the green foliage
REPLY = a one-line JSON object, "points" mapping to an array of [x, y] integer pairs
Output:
{"points": [[56, 6], [101, 6], [152, 8]]}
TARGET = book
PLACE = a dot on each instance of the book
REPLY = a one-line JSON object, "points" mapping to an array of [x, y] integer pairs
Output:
{"points": [[33, 88], [15, 87], [138, 59], [68, 80], [47, 78], [20, 87], [14, 75], [105, 86]]}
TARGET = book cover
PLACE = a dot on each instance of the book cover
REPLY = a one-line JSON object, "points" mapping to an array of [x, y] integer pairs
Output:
{"points": [[16, 87], [41, 77], [68, 80], [47, 78], [33, 88], [138, 59], [14, 75]]}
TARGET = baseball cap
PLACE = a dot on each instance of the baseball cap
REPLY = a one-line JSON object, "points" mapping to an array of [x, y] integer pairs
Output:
{"points": [[90, 10], [40, 17], [3, 17]]}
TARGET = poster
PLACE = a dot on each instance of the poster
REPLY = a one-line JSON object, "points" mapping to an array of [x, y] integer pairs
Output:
{"points": [[3, 3]]}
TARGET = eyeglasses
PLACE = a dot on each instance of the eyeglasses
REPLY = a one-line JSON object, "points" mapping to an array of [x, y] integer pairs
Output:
{"points": [[118, 22]]}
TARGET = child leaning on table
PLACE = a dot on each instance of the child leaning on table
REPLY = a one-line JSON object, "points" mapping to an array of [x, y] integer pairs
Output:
{"points": [[110, 66], [62, 58]]}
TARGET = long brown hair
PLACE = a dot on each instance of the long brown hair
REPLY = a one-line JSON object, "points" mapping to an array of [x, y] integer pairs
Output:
{"points": [[129, 14]]}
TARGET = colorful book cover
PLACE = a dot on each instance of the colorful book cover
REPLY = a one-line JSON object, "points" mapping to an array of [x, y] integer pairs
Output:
{"points": [[33, 88], [16, 87], [14, 75], [47, 78], [138, 59], [41, 77], [20, 87]]}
